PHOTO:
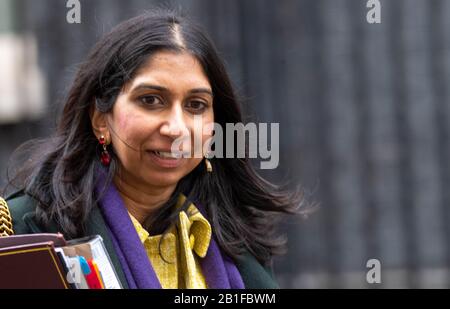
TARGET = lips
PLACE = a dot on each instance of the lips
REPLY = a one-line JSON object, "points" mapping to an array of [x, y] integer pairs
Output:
{"points": [[165, 159], [166, 154]]}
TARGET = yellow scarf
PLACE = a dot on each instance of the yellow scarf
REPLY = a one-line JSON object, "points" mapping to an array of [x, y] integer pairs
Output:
{"points": [[175, 259]]}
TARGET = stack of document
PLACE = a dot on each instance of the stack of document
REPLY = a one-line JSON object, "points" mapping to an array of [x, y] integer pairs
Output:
{"points": [[48, 261]]}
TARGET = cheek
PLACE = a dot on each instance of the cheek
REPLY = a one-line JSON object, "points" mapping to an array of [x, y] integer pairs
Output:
{"points": [[122, 125], [127, 138], [122, 121], [194, 162], [208, 128], [130, 129]]}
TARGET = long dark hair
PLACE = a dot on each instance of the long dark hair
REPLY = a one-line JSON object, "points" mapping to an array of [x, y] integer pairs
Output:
{"points": [[242, 206]]}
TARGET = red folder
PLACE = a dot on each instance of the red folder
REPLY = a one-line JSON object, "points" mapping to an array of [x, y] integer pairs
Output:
{"points": [[31, 266]]}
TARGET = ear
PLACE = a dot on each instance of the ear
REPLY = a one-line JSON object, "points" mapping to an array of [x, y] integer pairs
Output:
{"points": [[99, 124]]}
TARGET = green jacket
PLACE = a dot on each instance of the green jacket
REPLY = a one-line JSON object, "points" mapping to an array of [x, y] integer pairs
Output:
{"points": [[22, 209]]}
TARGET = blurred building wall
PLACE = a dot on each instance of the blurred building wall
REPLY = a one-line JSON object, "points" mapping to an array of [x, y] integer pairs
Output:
{"points": [[364, 118]]}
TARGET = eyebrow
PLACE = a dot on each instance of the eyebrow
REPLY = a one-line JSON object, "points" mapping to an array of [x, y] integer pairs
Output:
{"points": [[164, 89]]}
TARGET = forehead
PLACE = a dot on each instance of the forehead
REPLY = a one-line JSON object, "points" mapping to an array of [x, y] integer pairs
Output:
{"points": [[173, 70]]}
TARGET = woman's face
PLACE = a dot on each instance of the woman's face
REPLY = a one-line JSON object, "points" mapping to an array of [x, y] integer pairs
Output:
{"points": [[154, 109]]}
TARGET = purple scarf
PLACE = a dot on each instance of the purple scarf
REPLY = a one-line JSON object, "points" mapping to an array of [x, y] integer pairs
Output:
{"points": [[219, 270]]}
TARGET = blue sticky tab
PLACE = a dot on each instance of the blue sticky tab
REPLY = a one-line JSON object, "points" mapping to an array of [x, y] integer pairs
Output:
{"points": [[84, 265]]}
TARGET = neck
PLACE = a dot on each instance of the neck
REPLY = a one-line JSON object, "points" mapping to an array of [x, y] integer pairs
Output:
{"points": [[141, 204]]}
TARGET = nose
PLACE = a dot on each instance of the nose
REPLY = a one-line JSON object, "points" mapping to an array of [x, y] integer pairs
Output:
{"points": [[174, 125]]}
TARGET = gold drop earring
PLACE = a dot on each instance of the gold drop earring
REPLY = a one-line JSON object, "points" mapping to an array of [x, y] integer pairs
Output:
{"points": [[208, 165]]}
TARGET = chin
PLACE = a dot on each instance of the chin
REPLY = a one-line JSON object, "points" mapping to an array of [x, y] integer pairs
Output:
{"points": [[164, 179]]}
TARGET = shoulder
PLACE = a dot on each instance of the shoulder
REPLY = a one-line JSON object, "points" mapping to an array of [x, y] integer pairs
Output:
{"points": [[20, 205], [254, 275], [22, 208]]}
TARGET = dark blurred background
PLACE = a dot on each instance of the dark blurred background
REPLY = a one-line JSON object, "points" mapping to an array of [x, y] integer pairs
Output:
{"points": [[363, 110]]}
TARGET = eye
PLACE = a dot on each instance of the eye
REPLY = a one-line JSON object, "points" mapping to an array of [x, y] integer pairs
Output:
{"points": [[196, 106], [150, 100]]}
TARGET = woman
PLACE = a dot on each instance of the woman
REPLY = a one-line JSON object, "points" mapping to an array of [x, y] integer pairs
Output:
{"points": [[167, 220]]}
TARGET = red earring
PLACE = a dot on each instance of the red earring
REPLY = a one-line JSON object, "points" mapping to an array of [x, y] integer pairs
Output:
{"points": [[105, 158]]}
